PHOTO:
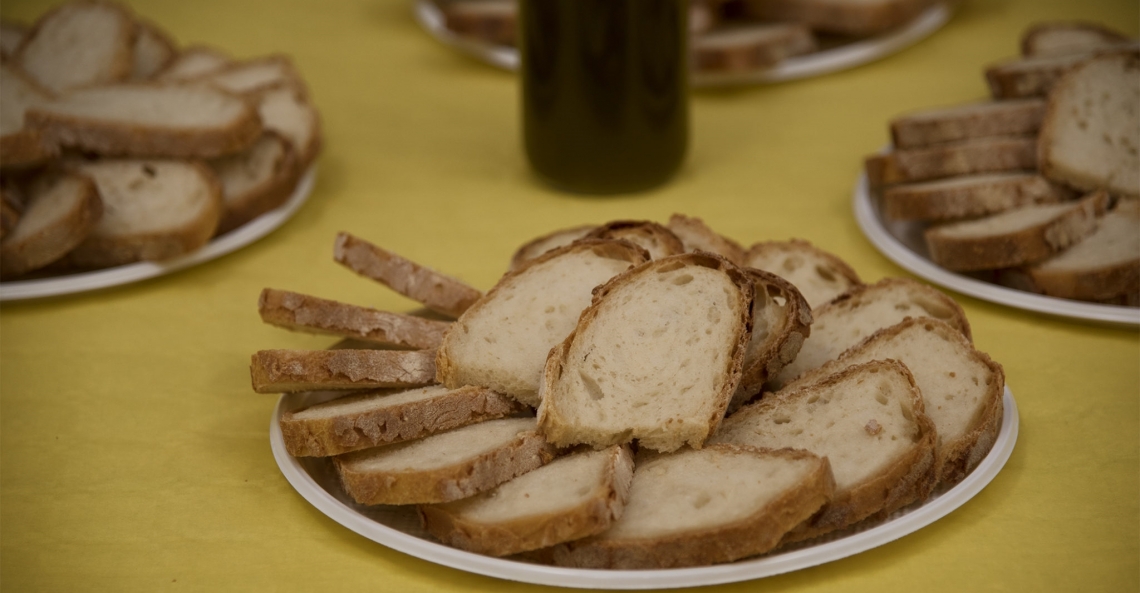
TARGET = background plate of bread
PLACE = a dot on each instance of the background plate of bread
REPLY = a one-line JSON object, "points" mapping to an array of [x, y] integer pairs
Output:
{"points": [[1029, 198], [635, 404]]}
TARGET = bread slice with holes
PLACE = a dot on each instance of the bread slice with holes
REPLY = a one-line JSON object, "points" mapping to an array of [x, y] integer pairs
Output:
{"points": [[869, 421], [445, 466], [548, 242], [967, 122], [656, 239], [697, 236], [781, 321], [363, 420], [750, 48], [1058, 38], [970, 196], [62, 209], [656, 357], [256, 180], [21, 146], [279, 371], [79, 44], [302, 312], [817, 274], [996, 154], [709, 506], [572, 497]]}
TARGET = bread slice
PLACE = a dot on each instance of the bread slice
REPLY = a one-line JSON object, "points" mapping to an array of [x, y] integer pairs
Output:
{"points": [[864, 310], [150, 120], [489, 21], [11, 207], [656, 239], [194, 62], [697, 236], [21, 146], [818, 275], [1015, 237], [78, 44], [152, 210], [363, 420], [153, 50], [868, 421], [656, 357], [12, 34], [548, 242], [285, 110], [572, 497], [966, 157], [61, 210], [501, 342], [301, 312], [781, 321], [445, 466], [256, 180], [253, 76], [1035, 76], [970, 196], [1058, 38], [961, 387], [700, 507], [1090, 138], [277, 371], [920, 129], [858, 18], [749, 48]]}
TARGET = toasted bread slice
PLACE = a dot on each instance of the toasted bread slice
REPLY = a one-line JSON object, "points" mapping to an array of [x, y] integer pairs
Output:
{"points": [[490, 21], [967, 122], [966, 157], [21, 146], [656, 357], [285, 110], [153, 50], [869, 421], [656, 239], [253, 76], [572, 497], [845, 17], [697, 236], [548, 242], [749, 48], [12, 34], [311, 314], [781, 321], [501, 342], [277, 371], [445, 466], [1058, 38], [695, 508], [970, 196], [819, 275], [1035, 76], [79, 44], [256, 180], [194, 62], [61, 210]]}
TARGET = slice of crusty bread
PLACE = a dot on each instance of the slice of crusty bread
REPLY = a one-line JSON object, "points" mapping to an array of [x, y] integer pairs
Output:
{"points": [[79, 44], [697, 236], [1015, 237], [363, 420], [572, 497], [1056, 38], [11, 207], [550, 241], [1035, 76], [1090, 138], [285, 110], [656, 239], [969, 196], [781, 321], [253, 76], [965, 157], [256, 180], [277, 371], [153, 50], [819, 275], [12, 34], [961, 387], [301, 312], [656, 357], [747, 48], [869, 421], [708, 506], [966, 122], [60, 212], [846, 17], [21, 146], [490, 21], [445, 466], [436, 291], [862, 311], [501, 342], [194, 62]]}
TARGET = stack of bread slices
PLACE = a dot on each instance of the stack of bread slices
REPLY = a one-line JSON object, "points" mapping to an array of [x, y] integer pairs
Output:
{"points": [[117, 145], [637, 395], [1037, 188]]}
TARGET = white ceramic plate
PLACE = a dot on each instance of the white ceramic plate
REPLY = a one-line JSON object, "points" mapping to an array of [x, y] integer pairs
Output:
{"points": [[399, 528], [236, 239], [846, 56], [903, 244]]}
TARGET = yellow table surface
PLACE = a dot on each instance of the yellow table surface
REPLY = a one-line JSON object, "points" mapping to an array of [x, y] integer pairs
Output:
{"points": [[135, 457]]}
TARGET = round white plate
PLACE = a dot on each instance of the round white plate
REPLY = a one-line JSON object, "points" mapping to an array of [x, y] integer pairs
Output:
{"points": [[232, 241], [399, 528], [845, 56], [902, 243]]}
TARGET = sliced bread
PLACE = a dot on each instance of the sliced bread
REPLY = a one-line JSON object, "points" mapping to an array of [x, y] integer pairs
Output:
{"points": [[12, 34], [490, 21], [697, 236], [79, 44], [1058, 38], [1035, 76], [60, 212], [256, 180], [540, 245], [253, 76], [969, 196], [781, 321], [819, 275], [755, 47], [153, 50], [277, 371], [857, 18], [194, 62], [965, 157], [967, 122], [286, 110], [20, 145], [301, 312], [656, 239]]}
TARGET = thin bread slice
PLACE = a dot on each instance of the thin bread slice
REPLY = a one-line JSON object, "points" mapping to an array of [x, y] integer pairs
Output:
{"points": [[819, 275], [961, 387], [1035, 76], [61, 210], [970, 196], [79, 44], [12, 34], [501, 342], [781, 321], [548, 242], [967, 122], [656, 239], [152, 210], [572, 497], [21, 146], [256, 180], [10, 210], [150, 120], [966, 157], [153, 50], [301, 312], [364, 420], [490, 21], [864, 310], [1058, 38], [254, 76], [1015, 237], [747, 48], [286, 110], [868, 421], [194, 62], [278, 371], [697, 236], [656, 357], [445, 466], [436, 291], [709, 506], [1090, 138], [858, 18]]}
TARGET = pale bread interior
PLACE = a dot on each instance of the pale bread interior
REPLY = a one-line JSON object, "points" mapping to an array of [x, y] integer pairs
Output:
{"points": [[165, 106], [49, 203], [813, 275], [284, 111], [1010, 221], [16, 95], [357, 404], [249, 170], [439, 450], [194, 62], [83, 43], [243, 78], [144, 196], [1116, 240]]}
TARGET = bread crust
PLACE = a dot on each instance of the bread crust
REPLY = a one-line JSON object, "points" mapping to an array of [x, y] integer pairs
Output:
{"points": [[1003, 118], [310, 314], [930, 202], [268, 195], [697, 236], [712, 55], [54, 241], [783, 341], [498, 25], [953, 313], [1034, 77], [277, 371], [845, 18], [845, 275], [966, 157], [537, 246], [641, 232]]}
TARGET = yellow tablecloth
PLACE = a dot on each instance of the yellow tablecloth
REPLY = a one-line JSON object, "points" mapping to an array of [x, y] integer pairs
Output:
{"points": [[135, 457]]}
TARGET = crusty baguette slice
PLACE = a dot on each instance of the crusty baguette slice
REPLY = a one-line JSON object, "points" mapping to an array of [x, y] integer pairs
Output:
{"points": [[967, 122], [153, 50], [254, 76], [194, 62], [12, 34], [697, 236], [277, 371], [656, 357], [152, 210], [864, 310], [700, 507], [781, 321], [656, 239], [1090, 138], [749, 48], [501, 342], [21, 146], [1057, 38], [490, 21], [285, 110], [311, 314], [1035, 76], [858, 18], [256, 180], [61, 210], [363, 420], [1015, 237], [961, 387], [445, 466], [150, 120], [966, 157], [869, 421], [819, 275], [572, 497], [436, 291], [969, 196], [548, 242], [79, 44]]}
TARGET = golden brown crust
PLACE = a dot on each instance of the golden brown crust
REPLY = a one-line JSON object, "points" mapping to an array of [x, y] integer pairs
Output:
{"points": [[697, 236], [302, 312], [966, 157], [277, 371], [653, 237], [1007, 118], [26, 148], [782, 342], [54, 241], [537, 246], [921, 202]]}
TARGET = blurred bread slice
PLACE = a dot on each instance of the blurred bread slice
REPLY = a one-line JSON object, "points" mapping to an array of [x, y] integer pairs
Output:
{"points": [[78, 44], [969, 196], [253, 76], [697, 236], [550, 241], [256, 180], [11, 205], [285, 110], [1035, 76], [153, 50], [20, 145], [965, 157], [61, 210], [490, 21], [818, 275], [12, 34], [656, 239], [1058, 38], [845, 17], [280, 371], [755, 47], [194, 62], [1021, 117]]}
